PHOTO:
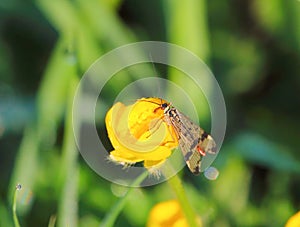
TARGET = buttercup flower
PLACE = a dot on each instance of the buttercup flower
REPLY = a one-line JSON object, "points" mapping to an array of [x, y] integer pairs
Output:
{"points": [[168, 213], [294, 221], [138, 133]]}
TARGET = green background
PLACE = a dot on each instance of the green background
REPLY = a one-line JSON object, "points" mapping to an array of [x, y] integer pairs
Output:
{"points": [[253, 49]]}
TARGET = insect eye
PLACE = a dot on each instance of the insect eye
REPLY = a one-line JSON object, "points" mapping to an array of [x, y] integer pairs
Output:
{"points": [[164, 105]]}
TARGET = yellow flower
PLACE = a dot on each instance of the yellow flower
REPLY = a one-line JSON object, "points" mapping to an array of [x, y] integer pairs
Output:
{"points": [[138, 133], [294, 221], [168, 213]]}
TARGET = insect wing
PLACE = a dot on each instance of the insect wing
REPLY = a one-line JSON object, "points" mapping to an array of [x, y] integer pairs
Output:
{"points": [[206, 142], [194, 142], [192, 159]]}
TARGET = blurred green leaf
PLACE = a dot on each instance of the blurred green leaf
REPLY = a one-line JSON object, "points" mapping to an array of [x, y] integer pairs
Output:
{"points": [[259, 150], [187, 27], [6, 217], [68, 204], [112, 215], [137, 208], [53, 92], [271, 14], [231, 189], [25, 167]]}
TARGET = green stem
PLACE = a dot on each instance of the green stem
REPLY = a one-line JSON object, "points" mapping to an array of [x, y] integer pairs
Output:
{"points": [[188, 211], [52, 221], [111, 217], [14, 207], [186, 207]]}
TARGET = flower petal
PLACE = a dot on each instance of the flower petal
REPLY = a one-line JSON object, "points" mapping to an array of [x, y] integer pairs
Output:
{"points": [[166, 213], [294, 221], [138, 132]]}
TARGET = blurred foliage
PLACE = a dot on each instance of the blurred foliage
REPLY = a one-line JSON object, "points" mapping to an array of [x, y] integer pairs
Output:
{"points": [[253, 49]]}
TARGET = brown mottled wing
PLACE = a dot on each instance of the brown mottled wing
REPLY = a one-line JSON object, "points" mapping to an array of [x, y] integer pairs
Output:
{"points": [[194, 141]]}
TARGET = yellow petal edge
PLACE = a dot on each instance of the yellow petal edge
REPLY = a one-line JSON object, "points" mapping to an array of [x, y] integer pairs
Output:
{"points": [[139, 133]]}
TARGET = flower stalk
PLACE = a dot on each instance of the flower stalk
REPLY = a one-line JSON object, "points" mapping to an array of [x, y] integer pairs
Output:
{"points": [[176, 184], [188, 211], [14, 207]]}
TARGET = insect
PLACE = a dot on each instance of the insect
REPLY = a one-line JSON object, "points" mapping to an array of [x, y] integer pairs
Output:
{"points": [[194, 142]]}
